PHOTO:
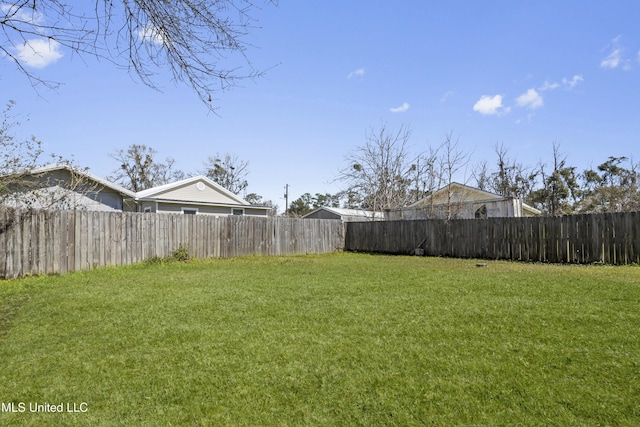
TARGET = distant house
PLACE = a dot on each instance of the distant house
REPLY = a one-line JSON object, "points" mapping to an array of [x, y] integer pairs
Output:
{"points": [[196, 196], [459, 201], [345, 215], [61, 186]]}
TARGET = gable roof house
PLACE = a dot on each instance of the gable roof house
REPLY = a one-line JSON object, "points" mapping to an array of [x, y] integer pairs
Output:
{"points": [[196, 195], [459, 201], [345, 215], [61, 186]]}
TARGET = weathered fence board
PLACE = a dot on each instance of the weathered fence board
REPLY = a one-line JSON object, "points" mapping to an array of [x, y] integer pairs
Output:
{"points": [[612, 238], [45, 242]]}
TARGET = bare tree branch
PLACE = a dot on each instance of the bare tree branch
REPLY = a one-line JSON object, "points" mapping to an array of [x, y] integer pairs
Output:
{"points": [[23, 183], [201, 42], [383, 172], [139, 170], [228, 171]]}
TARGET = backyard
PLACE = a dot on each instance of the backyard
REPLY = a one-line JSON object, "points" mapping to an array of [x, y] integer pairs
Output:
{"points": [[337, 339]]}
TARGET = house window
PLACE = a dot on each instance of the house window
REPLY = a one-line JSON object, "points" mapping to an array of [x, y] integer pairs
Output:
{"points": [[190, 211], [237, 211], [481, 213], [147, 209]]}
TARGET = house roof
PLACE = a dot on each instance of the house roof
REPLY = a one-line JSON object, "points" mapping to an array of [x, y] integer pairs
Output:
{"points": [[347, 212], [531, 209], [156, 193], [484, 195], [63, 166], [478, 196], [167, 193]]}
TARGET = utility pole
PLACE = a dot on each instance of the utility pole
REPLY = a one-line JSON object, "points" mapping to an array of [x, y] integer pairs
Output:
{"points": [[286, 199]]}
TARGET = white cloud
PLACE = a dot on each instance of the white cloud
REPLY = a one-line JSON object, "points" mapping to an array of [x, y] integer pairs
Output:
{"points": [[21, 14], [573, 82], [530, 99], [549, 86], [612, 60], [528, 119], [149, 33], [566, 83], [38, 53], [615, 57], [357, 73], [446, 96], [401, 109], [489, 105]]}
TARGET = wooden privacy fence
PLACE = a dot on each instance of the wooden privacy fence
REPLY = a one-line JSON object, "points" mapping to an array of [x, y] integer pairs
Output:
{"points": [[44, 242], [607, 238]]}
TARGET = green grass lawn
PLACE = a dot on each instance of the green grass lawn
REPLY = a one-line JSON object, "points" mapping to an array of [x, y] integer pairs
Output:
{"points": [[341, 339]]}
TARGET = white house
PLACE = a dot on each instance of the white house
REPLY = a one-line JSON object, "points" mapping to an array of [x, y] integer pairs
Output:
{"points": [[197, 195], [459, 201]]}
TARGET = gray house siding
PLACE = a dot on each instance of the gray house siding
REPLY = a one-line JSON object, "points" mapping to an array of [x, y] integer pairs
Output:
{"points": [[63, 187], [177, 208], [58, 189], [107, 197], [198, 195]]}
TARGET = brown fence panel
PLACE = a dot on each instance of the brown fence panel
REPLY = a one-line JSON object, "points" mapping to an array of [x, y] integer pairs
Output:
{"points": [[45, 242], [612, 238]]}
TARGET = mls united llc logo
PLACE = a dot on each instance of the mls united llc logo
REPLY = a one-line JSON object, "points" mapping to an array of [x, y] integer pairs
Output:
{"points": [[21, 407]]}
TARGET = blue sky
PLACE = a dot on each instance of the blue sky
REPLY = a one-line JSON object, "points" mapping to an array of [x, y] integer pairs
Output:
{"points": [[522, 73]]}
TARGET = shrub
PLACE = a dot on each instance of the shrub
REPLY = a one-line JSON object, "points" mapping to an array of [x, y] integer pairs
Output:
{"points": [[181, 254]]}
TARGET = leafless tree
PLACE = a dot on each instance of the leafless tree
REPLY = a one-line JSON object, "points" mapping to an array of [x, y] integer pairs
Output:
{"points": [[560, 188], [18, 157], [228, 171], [452, 160], [384, 173], [426, 175], [511, 179], [201, 42], [481, 175], [139, 170], [58, 187], [23, 182]]}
